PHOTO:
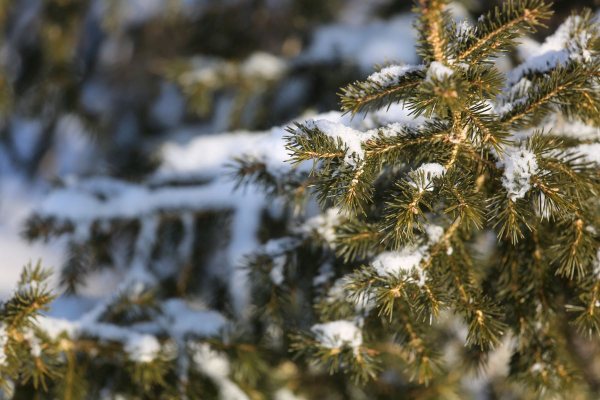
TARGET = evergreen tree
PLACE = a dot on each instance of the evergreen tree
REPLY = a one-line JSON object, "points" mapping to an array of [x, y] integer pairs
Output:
{"points": [[482, 210], [466, 232]]}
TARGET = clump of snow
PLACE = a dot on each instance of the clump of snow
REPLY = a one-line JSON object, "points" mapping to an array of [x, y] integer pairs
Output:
{"points": [[537, 368], [597, 267], [362, 304], [438, 71], [337, 292], [264, 66], [276, 273], [324, 225], [206, 70], [337, 334], [464, 30], [210, 362], [29, 286], [434, 233], [35, 344], [142, 349], [286, 394], [3, 342], [519, 166], [217, 367], [390, 76], [392, 263], [352, 138], [429, 172]]}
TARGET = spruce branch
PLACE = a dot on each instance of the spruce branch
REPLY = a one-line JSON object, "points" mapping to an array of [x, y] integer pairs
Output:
{"points": [[498, 29], [432, 23], [555, 89], [361, 97]]}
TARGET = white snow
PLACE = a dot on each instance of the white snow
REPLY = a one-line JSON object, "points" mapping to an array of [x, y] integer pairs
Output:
{"points": [[142, 349], [210, 362], [276, 272], [16, 202], [519, 166], [557, 124], [597, 266], [216, 366], [264, 66], [337, 334], [434, 233], [206, 70], [3, 342], [429, 171], [286, 394], [324, 225], [567, 43], [180, 320], [352, 138], [590, 151], [438, 71], [516, 96], [279, 246], [464, 30], [537, 368], [362, 304], [35, 344], [390, 76], [408, 259], [205, 154]]}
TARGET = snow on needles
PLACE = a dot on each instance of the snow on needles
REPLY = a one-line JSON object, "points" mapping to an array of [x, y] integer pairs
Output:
{"points": [[324, 225], [464, 30], [217, 367], [438, 71], [519, 166], [143, 349], [390, 76], [351, 138], [569, 42], [337, 334], [392, 263], [3, 342], [408, 259], [428, 172]]}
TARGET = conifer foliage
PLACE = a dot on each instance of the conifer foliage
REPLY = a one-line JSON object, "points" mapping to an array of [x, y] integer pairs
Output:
{"points": [[482, 210], [464, 234]]}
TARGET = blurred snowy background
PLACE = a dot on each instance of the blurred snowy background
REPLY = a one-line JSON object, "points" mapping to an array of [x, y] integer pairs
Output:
{"points": [[108, 105]]}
